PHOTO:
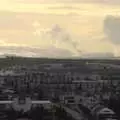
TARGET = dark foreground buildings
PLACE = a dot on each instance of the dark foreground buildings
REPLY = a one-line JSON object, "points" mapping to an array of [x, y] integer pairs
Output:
{"points": [[67, 87]]}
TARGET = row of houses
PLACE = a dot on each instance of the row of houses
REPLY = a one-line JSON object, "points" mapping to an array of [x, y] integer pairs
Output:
{"points": [[56, 79], [45, 77]]}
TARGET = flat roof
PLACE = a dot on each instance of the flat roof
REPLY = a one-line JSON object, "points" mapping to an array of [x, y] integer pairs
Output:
{"points": [[33, 102], [41, 102], [5, 102]]}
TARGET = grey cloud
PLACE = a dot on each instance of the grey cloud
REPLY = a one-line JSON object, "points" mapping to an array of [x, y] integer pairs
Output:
{"points": [[35, 52], [115, 2], [112, 28], [51, 52], [98, 55]]}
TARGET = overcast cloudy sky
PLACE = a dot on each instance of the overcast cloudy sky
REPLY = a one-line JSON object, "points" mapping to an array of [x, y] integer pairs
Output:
{"points": [[60, 28]]}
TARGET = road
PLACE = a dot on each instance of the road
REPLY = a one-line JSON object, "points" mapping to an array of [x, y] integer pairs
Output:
{"points": [[76, 115]]}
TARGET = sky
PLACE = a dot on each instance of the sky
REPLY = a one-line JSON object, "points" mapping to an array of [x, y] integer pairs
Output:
{"points": [[60, 28]]}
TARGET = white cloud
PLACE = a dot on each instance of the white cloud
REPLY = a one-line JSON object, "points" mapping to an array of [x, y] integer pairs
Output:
{"points": [[29, 51], [4, 44], [36, 24], [57, 36]]}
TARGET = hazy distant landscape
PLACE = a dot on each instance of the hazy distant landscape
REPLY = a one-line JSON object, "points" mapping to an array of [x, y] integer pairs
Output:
{"points": [[12, 60]]}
